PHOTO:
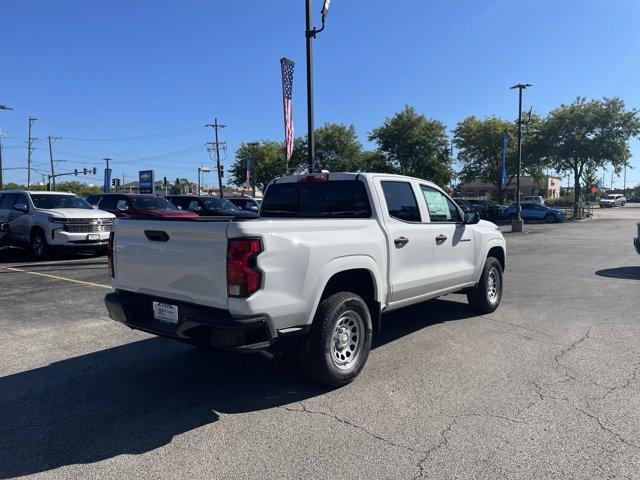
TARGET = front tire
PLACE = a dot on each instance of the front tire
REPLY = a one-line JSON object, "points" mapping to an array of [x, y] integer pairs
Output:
{"points": [[550, 218], [39, 246], [339, 341], [487, 294]]}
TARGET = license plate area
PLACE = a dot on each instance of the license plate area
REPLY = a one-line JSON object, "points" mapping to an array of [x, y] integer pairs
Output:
{"points": [[93, 236], [165, 313]]}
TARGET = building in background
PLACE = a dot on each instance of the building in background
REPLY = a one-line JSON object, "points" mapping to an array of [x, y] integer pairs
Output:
{"points": [[546, 186]]}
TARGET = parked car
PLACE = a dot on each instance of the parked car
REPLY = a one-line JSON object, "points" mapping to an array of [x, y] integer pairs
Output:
{"points": [[4, 232], [329, 253], [634, 200], [636, 241], [137, 205], [209, 206], [246, 203], [613, 200], [479, 206], [536, 211], [43, 221], [533, 199], [464, 205]]}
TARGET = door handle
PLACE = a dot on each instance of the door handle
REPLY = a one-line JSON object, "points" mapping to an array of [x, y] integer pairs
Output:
{"points": [[440, 239], [401, 241]]}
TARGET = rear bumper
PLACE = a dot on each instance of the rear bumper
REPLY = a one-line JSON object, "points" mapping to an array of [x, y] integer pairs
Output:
{"points": [[202, 326]]}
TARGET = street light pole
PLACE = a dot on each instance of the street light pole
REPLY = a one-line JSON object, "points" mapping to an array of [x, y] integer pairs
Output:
{"points": [[516, 223], [310, 34]]}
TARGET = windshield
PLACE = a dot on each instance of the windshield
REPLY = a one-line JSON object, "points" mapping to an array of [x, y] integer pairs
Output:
{"points": [[213, 203], [152, 203], [49, 201]]}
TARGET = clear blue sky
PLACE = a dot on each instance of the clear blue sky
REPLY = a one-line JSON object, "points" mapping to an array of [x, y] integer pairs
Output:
{"points": [[90, 69]]}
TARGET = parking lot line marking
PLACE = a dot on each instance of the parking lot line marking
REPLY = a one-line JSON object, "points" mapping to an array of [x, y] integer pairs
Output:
{"points": [[13, 269]]}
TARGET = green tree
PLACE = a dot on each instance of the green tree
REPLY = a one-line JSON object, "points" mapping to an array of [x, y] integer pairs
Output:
{"points": [[79, 188], [415, 145], [479, 144], [268, 160], [374, 162], [180, 186], [587, 134], [337, 149]]}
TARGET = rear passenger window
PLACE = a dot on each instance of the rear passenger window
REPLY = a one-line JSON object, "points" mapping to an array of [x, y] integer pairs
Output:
{"points": [[401, 202]]}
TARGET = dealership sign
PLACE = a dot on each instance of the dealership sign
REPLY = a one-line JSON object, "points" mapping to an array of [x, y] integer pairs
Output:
{"points": [[146, 178]]}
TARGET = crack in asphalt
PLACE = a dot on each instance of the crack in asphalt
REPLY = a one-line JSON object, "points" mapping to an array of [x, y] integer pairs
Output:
{"points": [[520, 326], [571, 347], [425, 454], [607, 429], [304, 409]]}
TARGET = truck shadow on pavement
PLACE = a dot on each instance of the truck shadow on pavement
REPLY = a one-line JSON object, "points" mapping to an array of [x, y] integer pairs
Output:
{"points": [[136, 397], [629, 273]]}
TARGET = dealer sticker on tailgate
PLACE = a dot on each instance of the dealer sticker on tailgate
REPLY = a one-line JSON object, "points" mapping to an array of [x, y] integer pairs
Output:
{"points": [[165, 312]]}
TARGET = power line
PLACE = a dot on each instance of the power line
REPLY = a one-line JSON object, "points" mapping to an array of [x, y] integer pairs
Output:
{"points": [[174, 133]]}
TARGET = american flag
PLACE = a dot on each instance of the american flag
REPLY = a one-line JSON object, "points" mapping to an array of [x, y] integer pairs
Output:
{"points": [[287, 85]]}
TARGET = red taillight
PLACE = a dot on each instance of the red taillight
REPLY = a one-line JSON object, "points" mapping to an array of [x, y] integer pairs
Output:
{"points": [[243, 275], [110, 254]]}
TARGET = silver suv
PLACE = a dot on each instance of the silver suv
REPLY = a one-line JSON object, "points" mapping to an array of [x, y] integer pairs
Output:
{"points": [[613, 200], [42, 221]]}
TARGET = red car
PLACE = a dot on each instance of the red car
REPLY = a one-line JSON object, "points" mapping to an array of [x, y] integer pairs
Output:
{"points": [[136, 205]]}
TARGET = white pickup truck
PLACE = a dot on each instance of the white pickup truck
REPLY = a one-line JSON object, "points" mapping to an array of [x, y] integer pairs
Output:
{"points": [[329, 254]]}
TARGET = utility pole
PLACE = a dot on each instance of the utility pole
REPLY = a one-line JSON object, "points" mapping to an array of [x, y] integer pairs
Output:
{"points": [[29, 150], [52, 185], [611, 179], [310, 34], [516, 223], [624, 188], [216, 126]]}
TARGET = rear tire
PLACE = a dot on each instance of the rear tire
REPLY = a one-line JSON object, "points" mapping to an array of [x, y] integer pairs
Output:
{"points": [[39, 246], [487, 294], [339, 341]]}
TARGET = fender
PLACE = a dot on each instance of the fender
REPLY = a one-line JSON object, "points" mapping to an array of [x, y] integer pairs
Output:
{"points": [[482, 255], [341, 264]]}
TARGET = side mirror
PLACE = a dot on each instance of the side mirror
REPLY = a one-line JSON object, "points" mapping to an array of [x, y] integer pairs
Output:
{"points": [[123, 208], [471, 218], [254, 208], [4, 227], [196, 209], [22, 207]]}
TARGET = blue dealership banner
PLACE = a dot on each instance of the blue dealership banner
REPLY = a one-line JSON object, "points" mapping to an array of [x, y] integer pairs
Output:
{"points": [[147, 181], [505, 143], [107, 180]]}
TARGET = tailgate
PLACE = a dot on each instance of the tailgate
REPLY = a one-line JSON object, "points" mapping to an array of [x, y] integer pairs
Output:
{"points": [[176, 259]]}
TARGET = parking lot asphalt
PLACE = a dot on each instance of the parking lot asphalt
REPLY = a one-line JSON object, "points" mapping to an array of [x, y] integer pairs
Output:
{"points": [[546, 387]]}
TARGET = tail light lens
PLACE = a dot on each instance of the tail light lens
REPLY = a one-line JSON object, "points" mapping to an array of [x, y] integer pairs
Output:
{"points": [[110, 254], [243, 275]]}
